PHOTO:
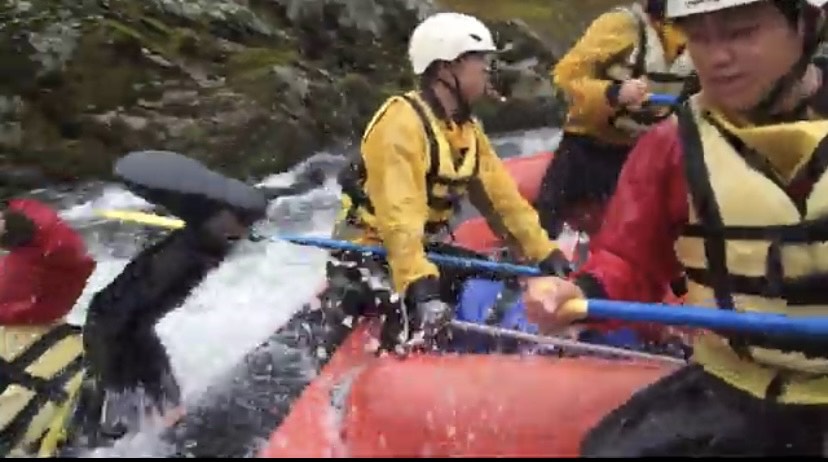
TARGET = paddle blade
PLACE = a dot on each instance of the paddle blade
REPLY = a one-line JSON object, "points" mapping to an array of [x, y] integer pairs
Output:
{"points": [[143, 218], [186, 187]]}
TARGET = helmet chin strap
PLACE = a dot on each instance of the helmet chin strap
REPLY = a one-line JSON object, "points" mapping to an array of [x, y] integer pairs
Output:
{"points": [[789, 81], [463, 111]]}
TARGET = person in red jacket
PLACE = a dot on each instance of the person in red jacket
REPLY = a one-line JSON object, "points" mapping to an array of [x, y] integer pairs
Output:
{"points": [[41, 278], [735, 191], [46, 268]]}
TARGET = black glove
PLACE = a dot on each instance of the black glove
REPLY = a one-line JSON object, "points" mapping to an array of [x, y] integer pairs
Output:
{"points": [[427, 313], [555, 264]]}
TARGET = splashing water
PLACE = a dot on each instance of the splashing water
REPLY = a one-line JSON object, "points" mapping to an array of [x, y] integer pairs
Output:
{"points": [[254, 292]]}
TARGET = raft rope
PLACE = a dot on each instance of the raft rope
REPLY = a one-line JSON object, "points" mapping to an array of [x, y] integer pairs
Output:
{"points": [[567, 344]]}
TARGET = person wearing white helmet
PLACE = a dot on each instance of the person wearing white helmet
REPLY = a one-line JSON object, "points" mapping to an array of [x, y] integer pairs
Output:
{"points": [[735, 191], [625, 55], [421, 155]]}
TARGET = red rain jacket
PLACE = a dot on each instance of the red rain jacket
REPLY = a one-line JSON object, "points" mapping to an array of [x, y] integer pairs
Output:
{"points": [[41, 281]]}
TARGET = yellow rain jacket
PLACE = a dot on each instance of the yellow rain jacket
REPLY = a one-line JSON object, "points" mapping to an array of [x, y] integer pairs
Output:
{"points": [[751, 246], [41, 370], [414, 171], [619, 45]]}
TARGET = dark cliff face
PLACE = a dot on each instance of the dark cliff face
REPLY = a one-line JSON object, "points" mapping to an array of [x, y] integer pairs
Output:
{"points": [[248, 86]]}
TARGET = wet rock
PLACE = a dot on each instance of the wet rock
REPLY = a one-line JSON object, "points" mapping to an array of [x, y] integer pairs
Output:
{"points": [[247, 86]]}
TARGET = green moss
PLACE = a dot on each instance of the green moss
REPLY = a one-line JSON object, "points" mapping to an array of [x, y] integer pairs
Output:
{"points": [[188, 43], [123, 31], [257, 58], [250, 70], [156, 26], [170, 42], [86, 86], [559, 21]]}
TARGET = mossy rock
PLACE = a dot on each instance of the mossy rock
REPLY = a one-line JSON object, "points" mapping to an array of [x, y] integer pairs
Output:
{"points": [[248, 87], [559, 22]]}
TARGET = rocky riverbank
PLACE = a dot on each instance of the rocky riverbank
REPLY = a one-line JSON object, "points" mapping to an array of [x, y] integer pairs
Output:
{"points": [[248, 86]]}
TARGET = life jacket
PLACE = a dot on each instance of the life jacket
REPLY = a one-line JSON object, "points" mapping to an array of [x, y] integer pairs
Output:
{"points": [[41, 371], [750, 246], [649, 59], [446, 181]]}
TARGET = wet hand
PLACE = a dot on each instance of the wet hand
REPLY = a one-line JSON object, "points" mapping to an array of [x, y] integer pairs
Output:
{"points": [[633, 93], [544, 298]]}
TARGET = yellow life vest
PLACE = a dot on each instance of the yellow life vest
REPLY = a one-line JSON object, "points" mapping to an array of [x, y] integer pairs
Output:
{"points": [[446, 180], [648, 59], [41, 370], [750, 246]]}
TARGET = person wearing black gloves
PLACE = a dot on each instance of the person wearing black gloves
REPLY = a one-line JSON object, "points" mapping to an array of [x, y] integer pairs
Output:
{"points": [[422, 153]]}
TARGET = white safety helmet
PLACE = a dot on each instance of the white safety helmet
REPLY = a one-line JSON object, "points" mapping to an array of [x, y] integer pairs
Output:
{"points": [[445, 37], [682, 8]]}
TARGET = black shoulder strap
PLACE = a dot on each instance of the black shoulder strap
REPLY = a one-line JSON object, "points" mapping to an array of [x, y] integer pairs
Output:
{"points": [[705, 206], [709, 217], [640, 65], [433, 147]]}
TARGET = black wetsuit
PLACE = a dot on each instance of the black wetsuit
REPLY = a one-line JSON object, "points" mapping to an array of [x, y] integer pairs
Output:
{"points": [[125, 358]]}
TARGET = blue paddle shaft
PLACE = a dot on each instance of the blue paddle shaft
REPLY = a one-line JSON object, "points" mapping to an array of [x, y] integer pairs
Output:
{"points": [[470, 263], [710, 318], [663, 100], [683, 315]]}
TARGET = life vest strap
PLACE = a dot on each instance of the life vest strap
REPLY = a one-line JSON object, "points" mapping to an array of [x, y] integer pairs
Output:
{"points": [[806, 232], [11, 435], [14, 372], [710, 218], [352, 181], [801, 291]]}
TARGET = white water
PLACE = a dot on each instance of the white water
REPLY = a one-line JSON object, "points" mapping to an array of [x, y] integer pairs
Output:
{"points": [[254, 292]]}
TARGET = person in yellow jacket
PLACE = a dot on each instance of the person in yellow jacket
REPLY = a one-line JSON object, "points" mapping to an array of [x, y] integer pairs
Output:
{"points": [[421, 154], [735, 190], [624, 56]]}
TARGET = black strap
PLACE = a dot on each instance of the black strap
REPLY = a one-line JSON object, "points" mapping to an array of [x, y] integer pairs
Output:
{"points": [[431, 137], [665, 77], [640, 64], [709, 216], [811, 231], [801, 291], [433, 176]]}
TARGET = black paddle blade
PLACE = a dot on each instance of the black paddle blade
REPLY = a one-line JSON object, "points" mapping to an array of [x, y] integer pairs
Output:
{"points": [[187, 188]]}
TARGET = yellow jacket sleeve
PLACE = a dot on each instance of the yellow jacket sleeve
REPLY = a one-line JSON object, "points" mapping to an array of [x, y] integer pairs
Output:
{"points": [[495, 194], [395, 156], [610, 37]]}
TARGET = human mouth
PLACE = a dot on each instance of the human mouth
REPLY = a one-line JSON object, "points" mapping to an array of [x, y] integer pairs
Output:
{"points": [[726, 81]]}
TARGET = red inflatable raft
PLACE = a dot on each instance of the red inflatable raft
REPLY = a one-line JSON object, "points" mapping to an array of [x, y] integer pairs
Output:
{"points": [[454, 405], [457, 405]]}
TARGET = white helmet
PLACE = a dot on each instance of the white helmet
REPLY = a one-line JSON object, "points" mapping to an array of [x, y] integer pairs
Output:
{"points": [[681, 8], [446, 36]]}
